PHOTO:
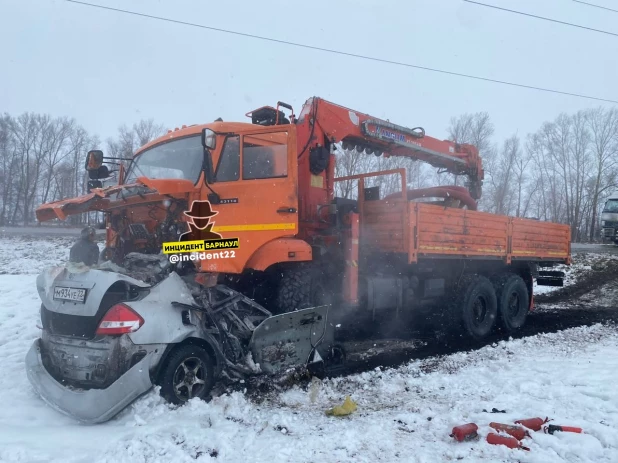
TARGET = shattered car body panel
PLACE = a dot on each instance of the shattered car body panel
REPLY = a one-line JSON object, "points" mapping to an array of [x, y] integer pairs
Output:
{"points": [[95, 364], [92, 377], [289, 339], [88, 406]]}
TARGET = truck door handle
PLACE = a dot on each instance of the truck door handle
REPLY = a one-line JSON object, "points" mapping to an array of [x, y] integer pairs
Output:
{"points": [[286, 210]]}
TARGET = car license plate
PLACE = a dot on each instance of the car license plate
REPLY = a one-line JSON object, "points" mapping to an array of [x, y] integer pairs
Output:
{"points": [[69, 294]]}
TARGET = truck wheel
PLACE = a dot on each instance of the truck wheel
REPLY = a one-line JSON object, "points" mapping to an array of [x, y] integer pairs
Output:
{"points": [[513, 301], [188, 373], [474, 307], [300, 288]]}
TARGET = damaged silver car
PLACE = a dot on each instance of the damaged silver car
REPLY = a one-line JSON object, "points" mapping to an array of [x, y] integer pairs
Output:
{"points": [[110, 334]]}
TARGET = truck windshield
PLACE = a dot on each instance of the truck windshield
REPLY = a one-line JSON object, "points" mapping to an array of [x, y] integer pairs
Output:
{"points": [[178, 159], [611, 206]]}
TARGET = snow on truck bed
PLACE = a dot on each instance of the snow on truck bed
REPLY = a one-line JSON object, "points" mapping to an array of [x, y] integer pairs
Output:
{"points": [[404, 414]]}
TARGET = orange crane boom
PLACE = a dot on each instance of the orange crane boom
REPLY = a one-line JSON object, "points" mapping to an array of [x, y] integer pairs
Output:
{"points": [[372, 135]]}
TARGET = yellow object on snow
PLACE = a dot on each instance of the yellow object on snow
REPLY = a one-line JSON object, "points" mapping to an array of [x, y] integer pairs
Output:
{"points": [[347, 408]]}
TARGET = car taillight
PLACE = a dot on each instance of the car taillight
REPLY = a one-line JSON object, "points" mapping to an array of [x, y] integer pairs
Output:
{"points": [[120, 319]]}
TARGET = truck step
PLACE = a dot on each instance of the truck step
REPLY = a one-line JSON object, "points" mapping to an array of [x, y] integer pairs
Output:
{"points": [[550, 278]]}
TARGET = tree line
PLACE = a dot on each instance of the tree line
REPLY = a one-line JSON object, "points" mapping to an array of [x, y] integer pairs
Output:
{"points": [[563, 172], [42, 160]]}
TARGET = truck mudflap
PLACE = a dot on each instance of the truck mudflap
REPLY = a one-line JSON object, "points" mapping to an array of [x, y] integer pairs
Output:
{"points": [[88, 406], [291, 339]]}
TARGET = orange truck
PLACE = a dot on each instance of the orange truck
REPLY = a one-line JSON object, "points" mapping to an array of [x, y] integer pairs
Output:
{"points": [[263, 194]]}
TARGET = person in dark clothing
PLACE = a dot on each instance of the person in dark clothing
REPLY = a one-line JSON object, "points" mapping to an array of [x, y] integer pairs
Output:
{"points": [[85, 250]]}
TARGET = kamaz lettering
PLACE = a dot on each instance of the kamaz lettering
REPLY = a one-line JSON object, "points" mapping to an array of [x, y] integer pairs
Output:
{"points": [[384, 133]]}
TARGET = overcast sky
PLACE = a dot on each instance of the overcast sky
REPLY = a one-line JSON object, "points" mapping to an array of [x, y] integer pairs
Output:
{"points": [[105, 68]]}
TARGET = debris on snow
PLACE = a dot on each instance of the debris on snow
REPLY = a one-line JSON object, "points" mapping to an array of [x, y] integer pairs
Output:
{"points": [[347, 408]]}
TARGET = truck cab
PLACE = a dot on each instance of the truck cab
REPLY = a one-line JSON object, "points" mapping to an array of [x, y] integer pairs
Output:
{"points": [[609, 219]]}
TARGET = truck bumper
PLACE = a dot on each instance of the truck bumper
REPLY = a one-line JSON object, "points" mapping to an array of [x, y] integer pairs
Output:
{"points": [[610, 233], [94, 405]]}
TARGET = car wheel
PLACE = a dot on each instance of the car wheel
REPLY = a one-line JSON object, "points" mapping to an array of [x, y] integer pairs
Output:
{"points": [[188, 373]]}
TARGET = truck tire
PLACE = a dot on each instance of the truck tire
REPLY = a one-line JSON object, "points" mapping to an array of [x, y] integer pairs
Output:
{"points": [[473, 308], [513, 301], [188, 373], [301, 287]]}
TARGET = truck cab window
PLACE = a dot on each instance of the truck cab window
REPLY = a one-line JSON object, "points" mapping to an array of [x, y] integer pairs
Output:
{"points": [[264, 156], [228, 168], [611, 206]]}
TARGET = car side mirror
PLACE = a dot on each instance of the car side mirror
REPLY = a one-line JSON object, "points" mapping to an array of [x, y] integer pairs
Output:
{"points": [[209, 139]]}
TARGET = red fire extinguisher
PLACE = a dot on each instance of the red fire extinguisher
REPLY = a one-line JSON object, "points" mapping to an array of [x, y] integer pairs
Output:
{"points": [[510, 442], [554, 428], [465, 432], [513, 431], [533, 423]]}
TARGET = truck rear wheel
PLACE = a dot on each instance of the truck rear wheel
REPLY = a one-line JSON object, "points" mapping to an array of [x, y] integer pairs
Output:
{"points": [[473, 308], [513, 301]]}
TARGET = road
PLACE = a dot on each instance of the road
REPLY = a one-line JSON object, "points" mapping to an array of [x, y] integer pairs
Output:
{"points": [[596, 248], [42, 231]]}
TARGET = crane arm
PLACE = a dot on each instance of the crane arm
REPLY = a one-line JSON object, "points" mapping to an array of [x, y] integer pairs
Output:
{"points": [[375, 136]]}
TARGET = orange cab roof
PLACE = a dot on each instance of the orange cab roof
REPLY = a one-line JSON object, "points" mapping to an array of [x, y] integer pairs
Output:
{"points": [[197, 129]]}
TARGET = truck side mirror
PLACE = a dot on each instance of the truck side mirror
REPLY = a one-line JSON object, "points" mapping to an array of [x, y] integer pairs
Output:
{"points": [[209, 139], [94, 160]]}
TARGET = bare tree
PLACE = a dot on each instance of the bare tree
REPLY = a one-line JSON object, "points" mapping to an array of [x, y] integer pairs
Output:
{"points": [[521, 176], [475, 129], [603, 126], [56, 136], [501, 170]]}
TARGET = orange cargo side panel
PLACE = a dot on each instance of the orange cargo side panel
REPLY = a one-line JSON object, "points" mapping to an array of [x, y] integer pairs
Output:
{"points": [[540, 240], [457, 232]]}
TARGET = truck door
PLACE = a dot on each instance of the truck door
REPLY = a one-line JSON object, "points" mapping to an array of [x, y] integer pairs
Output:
{"points": [[256, 181]]}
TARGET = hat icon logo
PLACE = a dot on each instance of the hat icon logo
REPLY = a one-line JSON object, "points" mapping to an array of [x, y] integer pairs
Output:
{"points": [[200, 225], [200, 209]]}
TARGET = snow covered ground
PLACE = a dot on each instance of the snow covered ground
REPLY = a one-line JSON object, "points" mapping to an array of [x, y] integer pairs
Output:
{"points": [[582, 264], [404, 414]]}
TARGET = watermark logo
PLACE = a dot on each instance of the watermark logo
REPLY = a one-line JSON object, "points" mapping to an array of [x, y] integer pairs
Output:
{"points": [[201, 238]]}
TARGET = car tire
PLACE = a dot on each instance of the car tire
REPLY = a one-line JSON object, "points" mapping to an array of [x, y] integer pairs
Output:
{"points": [[188, 373]]}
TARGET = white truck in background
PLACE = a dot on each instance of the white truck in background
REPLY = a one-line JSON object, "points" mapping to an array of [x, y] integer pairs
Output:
{"points": [[609, 219]]}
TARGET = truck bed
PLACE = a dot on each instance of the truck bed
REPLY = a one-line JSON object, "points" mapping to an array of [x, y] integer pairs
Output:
{"points": [[429, 231]]}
